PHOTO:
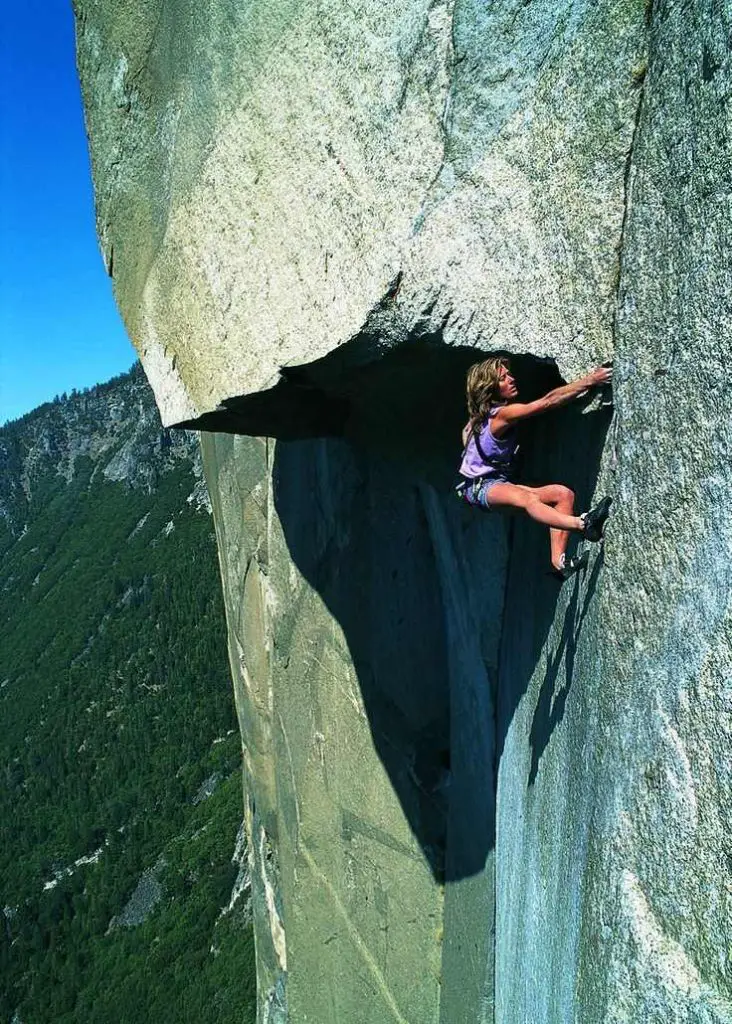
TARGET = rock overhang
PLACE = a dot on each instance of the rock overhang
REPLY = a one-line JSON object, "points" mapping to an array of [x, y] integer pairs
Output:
{"points": [[276, 184], [406, 403]]}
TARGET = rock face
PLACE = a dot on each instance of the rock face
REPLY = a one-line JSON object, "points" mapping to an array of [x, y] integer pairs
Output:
{"points": [[269, 174], [471, 796]]}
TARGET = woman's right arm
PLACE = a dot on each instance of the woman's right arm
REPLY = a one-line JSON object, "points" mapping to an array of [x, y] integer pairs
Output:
{"points": [[514, 411]]}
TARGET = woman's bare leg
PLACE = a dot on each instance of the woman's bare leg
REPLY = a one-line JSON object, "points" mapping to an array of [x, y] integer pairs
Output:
{"points": [[564, 503], [552, 505]]}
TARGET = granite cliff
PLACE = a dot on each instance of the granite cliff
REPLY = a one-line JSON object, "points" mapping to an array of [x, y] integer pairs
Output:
{"points": [[470, 796]]}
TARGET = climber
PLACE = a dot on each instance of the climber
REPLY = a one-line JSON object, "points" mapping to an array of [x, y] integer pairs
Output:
{"points": [[490, 446]]}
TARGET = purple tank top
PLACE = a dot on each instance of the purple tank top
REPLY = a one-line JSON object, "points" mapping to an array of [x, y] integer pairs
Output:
{"points": [[498, 450]]}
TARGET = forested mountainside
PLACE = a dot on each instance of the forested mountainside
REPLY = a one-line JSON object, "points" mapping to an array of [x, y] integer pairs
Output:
{"points": [[123, 881]]}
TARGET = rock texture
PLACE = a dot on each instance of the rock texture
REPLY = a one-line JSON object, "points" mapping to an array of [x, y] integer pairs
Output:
{"points": [[471, 797], [369, 784], [614, 789], [267, 174]]}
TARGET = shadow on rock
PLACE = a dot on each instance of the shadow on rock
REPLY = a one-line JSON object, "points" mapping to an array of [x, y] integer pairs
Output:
{"points": [[552, 702], [568, 452], [416, 582]]}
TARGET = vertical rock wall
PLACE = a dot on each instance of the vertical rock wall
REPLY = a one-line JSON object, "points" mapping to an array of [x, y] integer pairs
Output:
{"points": [[364, 648], [471, 796], [613, 878]]}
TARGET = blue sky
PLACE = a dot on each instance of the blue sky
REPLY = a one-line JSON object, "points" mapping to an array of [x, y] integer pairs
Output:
{"points": [[59, 327]]}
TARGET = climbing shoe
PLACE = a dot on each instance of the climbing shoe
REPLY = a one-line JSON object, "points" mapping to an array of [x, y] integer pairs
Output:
{"points": [[570, 566], [593, 522]]}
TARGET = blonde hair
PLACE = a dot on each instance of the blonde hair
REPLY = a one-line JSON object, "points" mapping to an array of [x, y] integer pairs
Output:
{"points": [[482, 389]]}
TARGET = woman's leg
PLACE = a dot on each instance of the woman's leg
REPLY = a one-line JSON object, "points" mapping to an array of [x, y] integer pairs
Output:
{"points": [[552, 505], [563, 500]]}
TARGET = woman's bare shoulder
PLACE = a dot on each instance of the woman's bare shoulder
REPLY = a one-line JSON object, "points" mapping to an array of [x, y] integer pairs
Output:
{"points": [[498, 422]]}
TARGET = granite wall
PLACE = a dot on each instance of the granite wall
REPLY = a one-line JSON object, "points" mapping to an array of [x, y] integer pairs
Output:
{"points": [[471, 795]]}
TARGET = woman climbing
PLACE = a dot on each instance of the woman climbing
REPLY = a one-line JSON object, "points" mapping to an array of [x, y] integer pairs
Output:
{"points": [[490, 444]]}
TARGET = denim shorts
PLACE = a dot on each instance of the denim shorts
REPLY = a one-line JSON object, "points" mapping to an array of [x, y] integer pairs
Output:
{"points": [[475, 492]]}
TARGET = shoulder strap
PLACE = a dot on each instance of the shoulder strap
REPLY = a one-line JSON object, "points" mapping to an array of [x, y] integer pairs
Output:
{"points": [[479, 446], [475, 436]]}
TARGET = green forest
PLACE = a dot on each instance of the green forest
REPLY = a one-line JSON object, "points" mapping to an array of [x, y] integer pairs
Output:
{"points": [[119, 746]]}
